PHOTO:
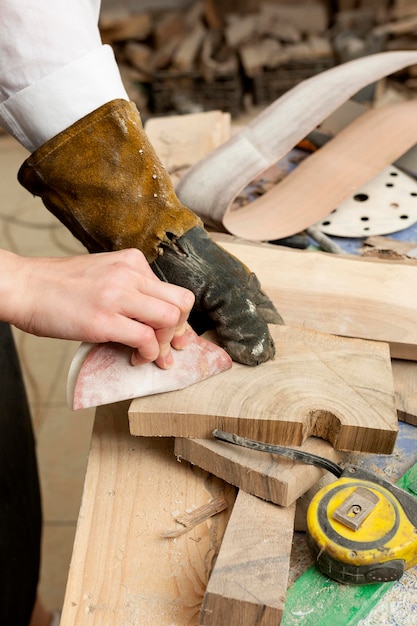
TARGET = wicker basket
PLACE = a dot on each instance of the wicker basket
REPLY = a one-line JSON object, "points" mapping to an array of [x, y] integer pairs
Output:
{"points": [[268, 85], [169, 89]]}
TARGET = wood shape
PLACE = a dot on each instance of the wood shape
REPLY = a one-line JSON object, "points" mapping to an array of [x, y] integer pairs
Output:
{"points": [[392, 249], [122, 570], [405, 386], [103, 373], [249, 581], [318, 385], [342, 295], [316, 186], [182, 140], [262, 474]]}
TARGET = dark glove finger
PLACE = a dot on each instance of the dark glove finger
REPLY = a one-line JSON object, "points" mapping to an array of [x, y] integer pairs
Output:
{"points": [[226, 291]]}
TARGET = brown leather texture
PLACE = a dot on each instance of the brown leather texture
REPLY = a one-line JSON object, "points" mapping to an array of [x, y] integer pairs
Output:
{"points": [[102, 178]]}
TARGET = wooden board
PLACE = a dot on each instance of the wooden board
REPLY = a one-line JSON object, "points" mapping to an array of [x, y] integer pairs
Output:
{"points": [[318, 385], [343, 295], [180, 141], [249, 580], [122, 570], [262, 474], [405, 387]]}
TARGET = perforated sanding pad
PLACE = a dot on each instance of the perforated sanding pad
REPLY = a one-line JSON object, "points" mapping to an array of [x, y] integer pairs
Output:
{"points": [[386, 204]]}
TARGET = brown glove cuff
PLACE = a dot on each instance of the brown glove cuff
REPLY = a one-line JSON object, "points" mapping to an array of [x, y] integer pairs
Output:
{"points": [[102, 178]]}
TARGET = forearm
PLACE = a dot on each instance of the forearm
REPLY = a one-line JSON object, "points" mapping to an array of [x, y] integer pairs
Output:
{"points": [[53, 67]]}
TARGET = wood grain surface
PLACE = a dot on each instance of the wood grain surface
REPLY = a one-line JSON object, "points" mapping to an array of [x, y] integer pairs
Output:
{"points": [[318, 385], [338, 294], [249, 580], [122, 570], [405, 386], [268, 476]]}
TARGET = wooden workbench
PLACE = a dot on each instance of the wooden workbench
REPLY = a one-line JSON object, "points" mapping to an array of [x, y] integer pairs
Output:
{"points": [[123, 572]]}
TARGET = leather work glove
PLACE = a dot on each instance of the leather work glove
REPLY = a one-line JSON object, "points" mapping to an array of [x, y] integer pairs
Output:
{"points": [[102, 179]]}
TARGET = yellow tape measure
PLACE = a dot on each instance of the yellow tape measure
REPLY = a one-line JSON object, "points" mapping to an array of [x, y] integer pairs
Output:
{"points": [[361, 529]]}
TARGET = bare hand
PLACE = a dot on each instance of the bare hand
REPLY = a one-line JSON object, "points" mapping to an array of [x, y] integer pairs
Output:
{"points": [[111, 296]]}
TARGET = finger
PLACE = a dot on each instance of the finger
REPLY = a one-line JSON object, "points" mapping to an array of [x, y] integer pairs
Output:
{"points": [[177, 296], [181, 336], [137, 335], [164, 337]]}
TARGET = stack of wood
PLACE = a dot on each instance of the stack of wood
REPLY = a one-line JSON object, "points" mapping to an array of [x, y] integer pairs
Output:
{"points": [[214, 55]]}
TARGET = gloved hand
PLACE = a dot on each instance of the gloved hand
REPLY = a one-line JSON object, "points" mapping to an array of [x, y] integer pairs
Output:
{"points": [[102, 179]]}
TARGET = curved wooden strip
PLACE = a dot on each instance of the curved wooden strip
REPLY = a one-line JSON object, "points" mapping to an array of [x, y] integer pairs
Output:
{"points": [[210, 187]]}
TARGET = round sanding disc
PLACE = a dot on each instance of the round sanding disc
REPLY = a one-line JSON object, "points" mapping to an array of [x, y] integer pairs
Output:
{"points": [[386, 204]]}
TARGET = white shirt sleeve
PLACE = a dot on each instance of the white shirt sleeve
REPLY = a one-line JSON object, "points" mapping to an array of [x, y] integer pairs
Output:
{"points": [[53, 67]]}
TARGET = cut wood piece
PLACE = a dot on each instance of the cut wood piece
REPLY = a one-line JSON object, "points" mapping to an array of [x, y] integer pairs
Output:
{"points": [[249, 581], [405, 387], [318, 385], [103, 373], [262, 474], [212, 185], [389, 248], [256, 56], [213, 69], [137, 27], [170, 25], [187, 51], [122, 571], [342, 295], [241, 29], [308, 17], [181, 141]]}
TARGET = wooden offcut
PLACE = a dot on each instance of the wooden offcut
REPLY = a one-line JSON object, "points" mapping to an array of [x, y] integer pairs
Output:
{"points": [[250, 577], [262, 474], [405, 386], [342, 295], [318, 385]]}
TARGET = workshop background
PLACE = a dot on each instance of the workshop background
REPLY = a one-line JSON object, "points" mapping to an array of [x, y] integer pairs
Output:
{"points": [[177, 57]]}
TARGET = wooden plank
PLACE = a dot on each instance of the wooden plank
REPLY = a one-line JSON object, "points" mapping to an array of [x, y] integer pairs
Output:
{"points": [[262, 474], [122, 570], [318, 385], [249, 580], [389, 248], [212, 185], [342, 295], [405, 386], [182, 140]]}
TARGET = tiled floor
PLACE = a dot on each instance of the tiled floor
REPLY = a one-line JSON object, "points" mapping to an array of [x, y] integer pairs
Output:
{"points": [[63, 436]]}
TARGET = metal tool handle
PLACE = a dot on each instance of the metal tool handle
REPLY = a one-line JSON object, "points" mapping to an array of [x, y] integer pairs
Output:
{"points": [[289, 453]]}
